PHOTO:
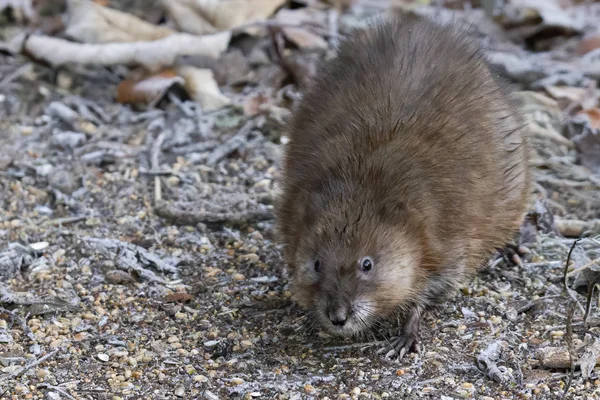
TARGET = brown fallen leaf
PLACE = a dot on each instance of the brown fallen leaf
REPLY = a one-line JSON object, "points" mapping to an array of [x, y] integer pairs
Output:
{"points": [[209, 16], [201, 86], [90, 22], [144, 88], [178, 297], [255, 104], [593, 116]]}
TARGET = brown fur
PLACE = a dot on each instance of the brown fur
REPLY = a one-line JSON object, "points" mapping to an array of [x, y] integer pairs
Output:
{"points": [[408, 150]]}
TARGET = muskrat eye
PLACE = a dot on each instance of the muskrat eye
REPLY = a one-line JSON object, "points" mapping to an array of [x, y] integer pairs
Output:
{"points": [[366, 264], [317, 265]]}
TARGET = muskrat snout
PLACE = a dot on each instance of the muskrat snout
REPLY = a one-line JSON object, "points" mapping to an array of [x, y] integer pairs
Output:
{"points": [[338, 314]]}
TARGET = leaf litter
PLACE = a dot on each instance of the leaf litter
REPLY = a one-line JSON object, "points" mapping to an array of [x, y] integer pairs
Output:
{"points": [[137, 189]]}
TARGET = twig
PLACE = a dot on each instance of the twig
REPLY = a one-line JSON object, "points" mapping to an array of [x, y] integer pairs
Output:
{"points": [[569, 340], [230, 145], [565, 275], [58, 389], [66, 220], [588, 303], [33, 364], [154, 162], [15, 75], [532, 303], [192, 217], [354, 346], [21, 321], [564, 182]]}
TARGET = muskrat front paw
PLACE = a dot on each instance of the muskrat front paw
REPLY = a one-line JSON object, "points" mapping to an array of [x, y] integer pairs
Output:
{"points": [[513, 252], [408, 340], [401, 345]]}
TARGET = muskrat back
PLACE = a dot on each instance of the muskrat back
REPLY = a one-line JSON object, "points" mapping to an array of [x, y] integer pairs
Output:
{"points": [[406, 169]]}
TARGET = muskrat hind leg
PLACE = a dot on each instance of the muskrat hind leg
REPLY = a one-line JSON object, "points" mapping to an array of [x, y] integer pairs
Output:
{"points": [[408, 339]]}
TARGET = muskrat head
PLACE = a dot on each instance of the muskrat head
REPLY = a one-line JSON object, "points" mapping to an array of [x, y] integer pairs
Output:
{"points": [[352, 268]]}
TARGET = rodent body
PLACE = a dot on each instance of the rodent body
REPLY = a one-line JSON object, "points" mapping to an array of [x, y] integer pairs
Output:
{"points": [[406, 169]]}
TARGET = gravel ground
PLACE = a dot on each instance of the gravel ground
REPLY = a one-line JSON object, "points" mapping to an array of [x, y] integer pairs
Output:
{"points": [[138, 257]]}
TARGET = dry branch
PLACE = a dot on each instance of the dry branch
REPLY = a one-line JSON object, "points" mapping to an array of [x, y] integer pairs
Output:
{"points": [[576, 228], [195, 216], [557, 357], [152, 55]]}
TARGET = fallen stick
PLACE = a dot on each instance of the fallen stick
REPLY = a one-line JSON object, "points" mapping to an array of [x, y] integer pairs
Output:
{"points": [[231, 145], [153, 55], [33, 364], [576, 228], [194, 216], [557, 357]]}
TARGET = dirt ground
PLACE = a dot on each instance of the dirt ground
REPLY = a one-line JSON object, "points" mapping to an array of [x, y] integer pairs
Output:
{"points": [[138, 257]]}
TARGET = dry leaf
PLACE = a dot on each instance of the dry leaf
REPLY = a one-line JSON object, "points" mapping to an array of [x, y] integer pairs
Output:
{"points": [[201, 86], [304, 38], [585, 127], [254, 104], [208, 16], [153, 56], [291, 22], [89, 22], [593, 116], [588, 44], [589, 358], [142, 88]]}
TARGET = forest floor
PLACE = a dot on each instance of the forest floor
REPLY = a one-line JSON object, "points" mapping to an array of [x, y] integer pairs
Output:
{"points": [[138, 257]]}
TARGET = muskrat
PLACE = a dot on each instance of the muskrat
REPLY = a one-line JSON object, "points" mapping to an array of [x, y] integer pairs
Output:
{"points": [[405, 171]]}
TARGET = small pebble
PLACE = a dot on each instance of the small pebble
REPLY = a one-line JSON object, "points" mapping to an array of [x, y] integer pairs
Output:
{"points": [[237, 381], [103, 357]]}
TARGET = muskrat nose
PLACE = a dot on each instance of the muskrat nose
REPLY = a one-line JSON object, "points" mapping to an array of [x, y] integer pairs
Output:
{"points": [[338, 317]]}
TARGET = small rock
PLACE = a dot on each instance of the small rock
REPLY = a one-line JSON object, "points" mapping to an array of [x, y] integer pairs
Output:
{"points": [[310, 389], [44, 169], [118, 277], [237, 381], [211, 343], [63, 181], [103, 357], [39, 246], [68, 140], [180, 391], [238, 277], [210, 395], [5, 338], [200, 378]]}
